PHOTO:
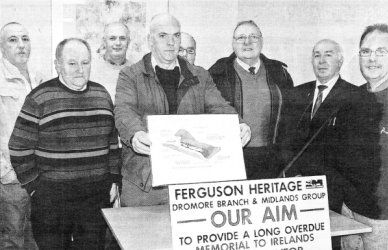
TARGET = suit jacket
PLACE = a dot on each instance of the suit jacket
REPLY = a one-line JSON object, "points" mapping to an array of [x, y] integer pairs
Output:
{"points": [[322, 156]]}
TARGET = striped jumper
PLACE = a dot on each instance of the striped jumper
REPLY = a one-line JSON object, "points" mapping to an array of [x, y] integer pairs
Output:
{"points": [[64, 135]]}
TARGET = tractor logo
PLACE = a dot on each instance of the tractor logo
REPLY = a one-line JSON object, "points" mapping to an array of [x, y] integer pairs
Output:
{"points": [[314, 184]]}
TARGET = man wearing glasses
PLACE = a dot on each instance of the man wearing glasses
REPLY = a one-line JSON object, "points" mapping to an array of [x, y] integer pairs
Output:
{"points": [[255, 86], [188, 47], [367, 155]]}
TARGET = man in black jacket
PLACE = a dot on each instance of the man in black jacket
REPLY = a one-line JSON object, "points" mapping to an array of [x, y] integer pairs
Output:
{"points": [[256, 87], [322, 113], [322, 108]]}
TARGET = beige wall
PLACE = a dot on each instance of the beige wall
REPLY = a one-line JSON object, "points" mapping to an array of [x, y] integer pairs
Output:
{"points": [[211, 23], [35, 16], [290, 28]]}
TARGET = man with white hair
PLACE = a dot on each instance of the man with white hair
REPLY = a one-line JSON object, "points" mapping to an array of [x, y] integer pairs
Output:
{"points": [[318, 110], [321, 113], [106, 69], [161, 83], [17, 79]]}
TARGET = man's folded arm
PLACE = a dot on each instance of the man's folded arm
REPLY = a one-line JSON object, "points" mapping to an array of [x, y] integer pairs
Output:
{"points": [[22, 145]]}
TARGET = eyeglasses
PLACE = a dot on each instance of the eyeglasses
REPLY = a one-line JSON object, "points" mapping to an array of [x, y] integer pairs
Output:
{"points": [[368, 52], [189, 51], [252, 38]]}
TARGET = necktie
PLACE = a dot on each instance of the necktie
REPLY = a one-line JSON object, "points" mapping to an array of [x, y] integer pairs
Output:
{"points": [[252, 70], [319, 100]]}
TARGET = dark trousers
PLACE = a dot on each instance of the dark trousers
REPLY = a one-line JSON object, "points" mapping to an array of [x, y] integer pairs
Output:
{"points": [[68, 215], [260, 163]]}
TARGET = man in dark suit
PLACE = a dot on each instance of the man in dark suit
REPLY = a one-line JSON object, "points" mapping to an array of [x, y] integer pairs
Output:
{"points": [[320, 116]]}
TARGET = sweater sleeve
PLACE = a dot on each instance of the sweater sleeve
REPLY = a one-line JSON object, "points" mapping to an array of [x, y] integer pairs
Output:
{"points": [[23, 143]]}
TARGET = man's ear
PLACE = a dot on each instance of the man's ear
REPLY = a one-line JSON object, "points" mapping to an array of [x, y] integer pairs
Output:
{"points": [[57, 66], [341, 61], [149, 41]]}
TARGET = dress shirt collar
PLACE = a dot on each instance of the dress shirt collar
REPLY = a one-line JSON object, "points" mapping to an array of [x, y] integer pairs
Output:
{"points": [[247, 66], [330, 84]]}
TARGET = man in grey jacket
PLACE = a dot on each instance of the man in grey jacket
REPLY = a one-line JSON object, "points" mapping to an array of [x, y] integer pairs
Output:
{"points": [[161, 83]]}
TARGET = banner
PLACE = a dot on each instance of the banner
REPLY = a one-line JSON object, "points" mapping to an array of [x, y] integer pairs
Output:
{"points": [[281, 214], [195, 148]]}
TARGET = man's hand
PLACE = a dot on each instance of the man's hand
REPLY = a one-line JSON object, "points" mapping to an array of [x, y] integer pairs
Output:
{"points": [[10, 178], [245, 134], [114, 192], [141, 143]]}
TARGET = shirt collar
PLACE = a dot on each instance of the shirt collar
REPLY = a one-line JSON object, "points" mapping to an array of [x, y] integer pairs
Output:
{"points": [[64, 83], [155, 63], [329, 84], [378, 87], [247, 66], [12, 72]]}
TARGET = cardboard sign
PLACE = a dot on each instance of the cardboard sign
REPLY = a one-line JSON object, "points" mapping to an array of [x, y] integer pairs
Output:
{"points": [[195, 148], [279, 214]]}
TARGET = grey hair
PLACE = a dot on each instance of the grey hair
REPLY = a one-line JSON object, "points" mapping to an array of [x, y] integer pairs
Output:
{"points": [[250, 22], [61, 45], [337, 45], [155, 18], [3, 28]]}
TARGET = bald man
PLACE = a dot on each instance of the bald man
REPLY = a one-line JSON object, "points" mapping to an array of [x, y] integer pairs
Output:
{"points": [[188, 48], [161, 83], [17, 79], [105, 69]]}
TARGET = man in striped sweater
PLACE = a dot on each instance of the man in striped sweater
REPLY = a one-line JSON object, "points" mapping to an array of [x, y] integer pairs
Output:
{"points": [[64, 151]]}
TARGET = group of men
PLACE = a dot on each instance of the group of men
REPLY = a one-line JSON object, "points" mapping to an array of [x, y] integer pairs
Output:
{"points": [[60, 139]]}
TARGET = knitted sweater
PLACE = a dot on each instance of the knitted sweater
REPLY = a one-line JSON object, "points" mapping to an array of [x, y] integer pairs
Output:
{"points": [[65, 135]]}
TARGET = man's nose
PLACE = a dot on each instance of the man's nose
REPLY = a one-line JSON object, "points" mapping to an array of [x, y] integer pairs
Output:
{"points": [[21, 43], [80, 68], [322, 59], [372, 56], [170, 40], [247, 40]]}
